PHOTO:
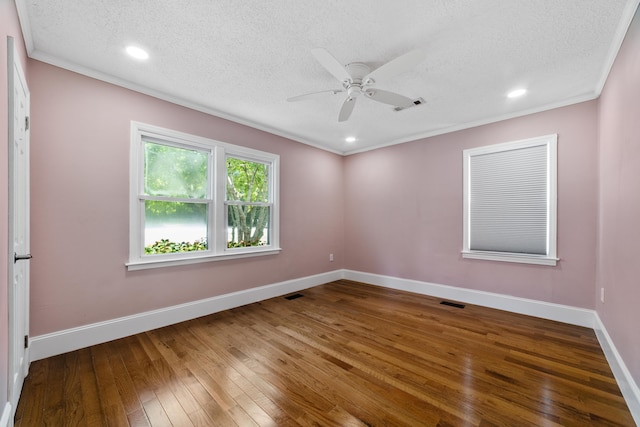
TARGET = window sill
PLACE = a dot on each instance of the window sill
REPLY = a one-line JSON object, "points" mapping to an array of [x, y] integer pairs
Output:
{"points": [[511, 257], [161, 261]]}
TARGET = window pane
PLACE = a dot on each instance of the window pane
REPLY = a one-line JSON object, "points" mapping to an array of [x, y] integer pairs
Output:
{"points": [[247, 181], [248, 225], [174, 227], [175, 172]]}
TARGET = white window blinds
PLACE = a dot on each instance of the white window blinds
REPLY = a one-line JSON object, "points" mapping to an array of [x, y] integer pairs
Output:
{"points": [[510, 198], [509, 201]]}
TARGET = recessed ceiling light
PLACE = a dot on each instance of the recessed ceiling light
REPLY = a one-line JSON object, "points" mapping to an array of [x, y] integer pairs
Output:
{"points": [[350, 139], [137, 52], [516, 93]]}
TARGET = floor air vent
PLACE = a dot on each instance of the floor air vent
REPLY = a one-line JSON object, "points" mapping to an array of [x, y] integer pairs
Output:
{"points": [[294, 296], [452, 304]]}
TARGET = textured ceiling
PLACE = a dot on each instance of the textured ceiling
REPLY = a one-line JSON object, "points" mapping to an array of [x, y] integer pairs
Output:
{"points": [[242, 59]]}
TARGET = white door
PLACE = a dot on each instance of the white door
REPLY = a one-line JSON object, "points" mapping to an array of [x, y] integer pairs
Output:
{"points": [[19, 248]]}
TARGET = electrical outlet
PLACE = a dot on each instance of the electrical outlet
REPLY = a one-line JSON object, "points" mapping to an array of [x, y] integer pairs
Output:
{"points": [[601, 294], [331, 257]]}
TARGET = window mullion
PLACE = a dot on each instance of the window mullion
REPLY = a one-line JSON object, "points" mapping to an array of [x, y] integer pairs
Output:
{"points": [[219, 173]]}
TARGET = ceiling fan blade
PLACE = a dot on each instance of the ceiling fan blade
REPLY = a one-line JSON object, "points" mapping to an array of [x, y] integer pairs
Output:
{"points": [[396, 66], [347, 109], [314, 95], [390, 98], [331, 64]]}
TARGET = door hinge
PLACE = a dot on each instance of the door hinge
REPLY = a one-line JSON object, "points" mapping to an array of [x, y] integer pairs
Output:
{"points": [[26, 122], [26, 341]]}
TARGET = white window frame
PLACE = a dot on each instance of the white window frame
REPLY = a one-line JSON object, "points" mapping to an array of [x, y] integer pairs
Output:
{"points": [[216, 194], [550, 258]]}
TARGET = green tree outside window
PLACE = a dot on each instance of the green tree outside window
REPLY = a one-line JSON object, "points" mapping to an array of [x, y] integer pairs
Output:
{"points": [[248, 203]]}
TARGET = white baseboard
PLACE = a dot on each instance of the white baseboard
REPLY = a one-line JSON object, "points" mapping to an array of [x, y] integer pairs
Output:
{"points": [[6, 415], [55, 343], [545, 310], [625, 381], [557, 312], [48, 345]]}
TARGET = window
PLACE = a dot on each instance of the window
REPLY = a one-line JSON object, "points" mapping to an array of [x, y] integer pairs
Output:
{"points": [[510, 201], [194, 199]]}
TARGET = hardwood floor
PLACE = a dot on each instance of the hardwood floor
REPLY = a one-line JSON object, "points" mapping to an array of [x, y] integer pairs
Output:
{"points": [[344, 354]]}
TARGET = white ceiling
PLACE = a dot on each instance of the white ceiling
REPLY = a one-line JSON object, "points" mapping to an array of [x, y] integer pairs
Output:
{"points": [[242, 59]]}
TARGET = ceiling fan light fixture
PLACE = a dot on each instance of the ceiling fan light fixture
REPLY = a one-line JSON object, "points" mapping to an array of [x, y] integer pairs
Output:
{"points": [[137, 52], [354, 90], [516, 93], [357, 79]]}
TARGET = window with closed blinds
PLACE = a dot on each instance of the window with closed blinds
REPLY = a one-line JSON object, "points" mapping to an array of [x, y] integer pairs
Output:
{"points": [[510, 201]]}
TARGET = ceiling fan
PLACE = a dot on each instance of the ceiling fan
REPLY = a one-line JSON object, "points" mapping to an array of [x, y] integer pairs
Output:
{"points": [[358, 80]]}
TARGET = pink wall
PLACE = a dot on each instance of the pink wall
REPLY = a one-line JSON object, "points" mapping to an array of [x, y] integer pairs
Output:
{"points": [[404, 210], [395, 211], [80, 206], [619, 229], [9, 26]]}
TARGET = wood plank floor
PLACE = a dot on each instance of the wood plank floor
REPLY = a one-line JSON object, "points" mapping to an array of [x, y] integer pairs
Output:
{"points": [[344, 354]]}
